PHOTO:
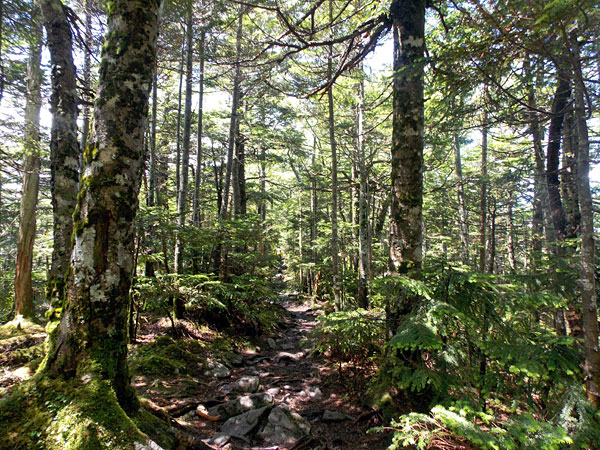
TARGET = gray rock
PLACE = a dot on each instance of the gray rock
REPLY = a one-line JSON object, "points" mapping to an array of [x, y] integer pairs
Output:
{"points": [[272, 343], [247, 384], [216, 369], [245, 425], [313, 393], [335, 416], [283, 427], [288, 346], [241, 405], [235, 359]]}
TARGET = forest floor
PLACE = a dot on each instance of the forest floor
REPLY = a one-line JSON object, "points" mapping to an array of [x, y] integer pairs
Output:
{"points": [[328, 396], [193, 380]]}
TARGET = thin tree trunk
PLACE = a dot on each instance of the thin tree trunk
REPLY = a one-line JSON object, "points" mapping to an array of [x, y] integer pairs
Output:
{"points": [[491, 243], [87, 76], [64, 148], [334, 188], [233, 124], [178, 130], [182, 191], [462, 204], [561, 97], [483, 195], [363, 203], [406, 215], [152, 170], [198, 180], [31, 170], [512, 260], [587, 268], [91, 340]]}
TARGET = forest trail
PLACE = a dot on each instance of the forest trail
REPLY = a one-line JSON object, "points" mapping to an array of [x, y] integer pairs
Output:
{"points": [[288, 397]]}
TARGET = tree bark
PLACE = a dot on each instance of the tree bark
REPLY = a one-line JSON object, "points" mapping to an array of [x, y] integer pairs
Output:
{"points": [[31, 175], [568, 176], [64, 148], [588, 280], [91, 339], [406, 214], [561, 97]]}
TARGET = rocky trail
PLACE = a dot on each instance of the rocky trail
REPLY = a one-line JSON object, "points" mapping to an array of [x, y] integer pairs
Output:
{"points": [[279, 396]]}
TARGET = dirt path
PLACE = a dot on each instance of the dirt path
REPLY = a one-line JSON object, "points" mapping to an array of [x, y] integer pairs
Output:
{"points": [[306, 384]]}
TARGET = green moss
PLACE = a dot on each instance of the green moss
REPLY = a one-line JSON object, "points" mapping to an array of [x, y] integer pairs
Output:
{"points": [[165, 356], [158, 430], [68, 415]]}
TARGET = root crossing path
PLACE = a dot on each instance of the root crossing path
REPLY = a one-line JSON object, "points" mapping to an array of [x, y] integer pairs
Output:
{"points": [[282, 396]]}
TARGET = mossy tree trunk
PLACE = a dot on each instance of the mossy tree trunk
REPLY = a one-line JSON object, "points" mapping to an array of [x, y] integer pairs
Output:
{"points": [[31, 176], [406, 214], [64, 148], [91, 339]]}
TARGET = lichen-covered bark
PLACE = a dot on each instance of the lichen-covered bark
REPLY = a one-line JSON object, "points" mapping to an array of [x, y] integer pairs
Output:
{"points": [[64, 148], [31, 176], [92, 335], [406, 214], [408, 18]]}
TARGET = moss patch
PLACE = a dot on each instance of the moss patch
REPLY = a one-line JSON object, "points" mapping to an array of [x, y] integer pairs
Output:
{"points": [[166, 356], [58, 415]]}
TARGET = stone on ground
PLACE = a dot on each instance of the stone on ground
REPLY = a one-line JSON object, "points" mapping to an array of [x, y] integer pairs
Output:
{"points": [[283, 427], [241, 405]]}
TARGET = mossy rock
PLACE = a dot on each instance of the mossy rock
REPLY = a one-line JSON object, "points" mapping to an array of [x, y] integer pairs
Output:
{"points": [[168, 357], [53, 414]]}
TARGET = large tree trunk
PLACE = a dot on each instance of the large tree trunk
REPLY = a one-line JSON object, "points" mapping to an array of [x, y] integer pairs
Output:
{"points": [[406, 215], [31, 176], [337, 298], [92, 336], [64, 148], [588, 280], [568, 176]]}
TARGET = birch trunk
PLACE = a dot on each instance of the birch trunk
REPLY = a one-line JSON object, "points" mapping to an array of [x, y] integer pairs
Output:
{"points": [[406, 214], [91, 339], [462, 205], [198, 181]]}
